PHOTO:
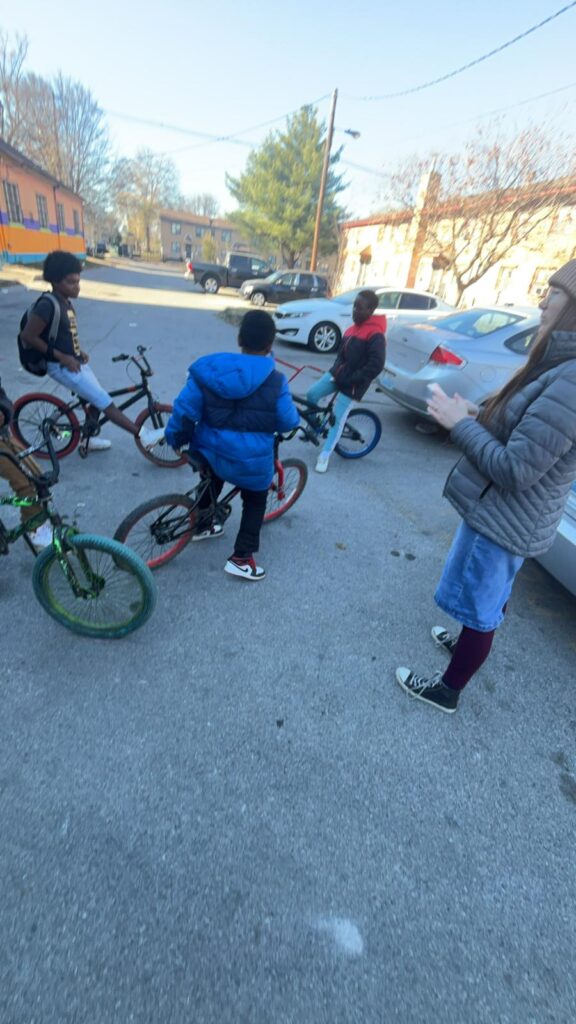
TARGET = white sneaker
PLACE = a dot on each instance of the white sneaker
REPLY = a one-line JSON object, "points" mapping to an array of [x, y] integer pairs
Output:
{"points": [[42, 537], [151, 436], [99, 444], [322, 463]]}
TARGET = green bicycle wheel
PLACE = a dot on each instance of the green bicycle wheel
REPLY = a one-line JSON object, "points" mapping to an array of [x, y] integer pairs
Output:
{"points": [[118, 590]]}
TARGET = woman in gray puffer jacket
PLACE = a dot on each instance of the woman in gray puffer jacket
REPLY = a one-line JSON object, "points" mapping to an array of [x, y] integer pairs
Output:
{"points": [[510, 487]]}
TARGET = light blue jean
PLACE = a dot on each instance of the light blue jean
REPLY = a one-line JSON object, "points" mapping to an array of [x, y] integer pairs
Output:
{"points": [[477, 580], [326, 386], [84, 383]]}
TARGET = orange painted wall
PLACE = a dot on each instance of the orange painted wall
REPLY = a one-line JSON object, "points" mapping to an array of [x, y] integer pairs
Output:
{"points": [[27, 241]]}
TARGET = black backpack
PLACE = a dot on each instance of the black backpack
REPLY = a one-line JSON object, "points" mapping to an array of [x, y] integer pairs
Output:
{"points": [[31, 360]]}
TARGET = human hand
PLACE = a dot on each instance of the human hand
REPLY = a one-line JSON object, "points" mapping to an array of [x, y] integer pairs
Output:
{"points": [[70, 363], [445, 410], [84, 357]]}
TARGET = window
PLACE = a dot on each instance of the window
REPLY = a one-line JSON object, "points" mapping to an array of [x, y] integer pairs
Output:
{"points": [[176, 227], [477, 323], [199, 232], [287, 280], [12, 196], [522, 343], [76, 216], [307, 281], [60, 217], [258, 266], [388, 300], [175, 248], [42, 207], [411, 301], [226, 236]]}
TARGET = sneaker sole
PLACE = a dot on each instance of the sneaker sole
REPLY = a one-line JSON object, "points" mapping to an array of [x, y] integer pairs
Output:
{"points": [[208, 536], [417, 696], [243, 576]]}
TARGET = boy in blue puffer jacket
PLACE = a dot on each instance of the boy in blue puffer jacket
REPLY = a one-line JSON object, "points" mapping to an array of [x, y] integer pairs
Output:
{"points": [[228, 412]]}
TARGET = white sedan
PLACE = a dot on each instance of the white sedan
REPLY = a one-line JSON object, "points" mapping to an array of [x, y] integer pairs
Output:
{"points": [[320, 323]]}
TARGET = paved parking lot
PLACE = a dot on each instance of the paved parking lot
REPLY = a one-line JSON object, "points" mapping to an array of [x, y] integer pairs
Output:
{"points": [[234, 814]]}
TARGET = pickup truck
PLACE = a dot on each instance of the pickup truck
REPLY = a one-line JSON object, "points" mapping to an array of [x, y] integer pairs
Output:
{"points": [[239, 267]]}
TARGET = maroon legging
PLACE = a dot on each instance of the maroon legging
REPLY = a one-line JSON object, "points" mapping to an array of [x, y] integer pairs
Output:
{"points": [[470, 653]]}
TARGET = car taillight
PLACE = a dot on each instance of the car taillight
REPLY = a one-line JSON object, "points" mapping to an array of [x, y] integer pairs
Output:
{"points": [[445, 357]]}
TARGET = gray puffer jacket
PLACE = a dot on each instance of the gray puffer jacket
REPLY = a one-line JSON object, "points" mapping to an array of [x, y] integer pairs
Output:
{"points": [[512, 483]]}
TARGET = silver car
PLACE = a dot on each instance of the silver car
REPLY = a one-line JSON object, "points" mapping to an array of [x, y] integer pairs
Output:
{"points": [[472, 352]]}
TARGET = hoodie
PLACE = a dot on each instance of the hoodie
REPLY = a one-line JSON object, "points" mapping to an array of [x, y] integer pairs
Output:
{"points": [[229, 410], [361, 357]]}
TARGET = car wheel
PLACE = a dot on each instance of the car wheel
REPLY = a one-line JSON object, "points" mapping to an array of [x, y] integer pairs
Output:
{"points": [[211, 284], [258, 299], [324, 337]]}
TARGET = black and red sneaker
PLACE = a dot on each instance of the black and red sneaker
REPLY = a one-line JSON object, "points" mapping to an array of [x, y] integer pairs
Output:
{"points": [[245, 568]]}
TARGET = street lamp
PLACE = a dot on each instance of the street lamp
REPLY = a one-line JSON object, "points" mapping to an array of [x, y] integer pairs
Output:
{"points": [[327, 147]]}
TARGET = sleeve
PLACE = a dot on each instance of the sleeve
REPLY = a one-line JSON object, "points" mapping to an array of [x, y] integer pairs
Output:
{"points": [[6, 407], [374, 363], [546, 432], [186, 413], [44, 308], [287, 415]]}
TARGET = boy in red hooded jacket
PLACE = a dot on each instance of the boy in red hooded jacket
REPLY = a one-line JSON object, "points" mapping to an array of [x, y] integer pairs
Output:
{"points": [[359, 361]]}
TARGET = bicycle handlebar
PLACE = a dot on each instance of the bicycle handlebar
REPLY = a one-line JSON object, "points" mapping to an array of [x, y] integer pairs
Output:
{"points": [[140, 360]]}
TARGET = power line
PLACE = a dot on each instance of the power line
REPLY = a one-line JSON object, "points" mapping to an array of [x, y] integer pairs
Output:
{"points": [[471, 64], [208, 137]]}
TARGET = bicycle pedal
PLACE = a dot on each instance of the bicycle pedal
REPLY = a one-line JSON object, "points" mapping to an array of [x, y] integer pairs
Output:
{"points": [[83, 449]]}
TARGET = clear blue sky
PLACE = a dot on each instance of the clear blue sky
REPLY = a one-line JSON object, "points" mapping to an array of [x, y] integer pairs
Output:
{"points": [[221, 67]]}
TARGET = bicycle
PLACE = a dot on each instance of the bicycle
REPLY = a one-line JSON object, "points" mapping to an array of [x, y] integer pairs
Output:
{"points": [[67, 433], [93, 585], [360, 435], [159, 529]]}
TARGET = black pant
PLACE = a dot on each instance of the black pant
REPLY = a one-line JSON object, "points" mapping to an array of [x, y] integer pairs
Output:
{"points": [[253, 509]]}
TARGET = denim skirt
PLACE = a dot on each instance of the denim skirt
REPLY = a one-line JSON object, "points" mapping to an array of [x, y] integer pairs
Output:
{"points": [[477, 580]]}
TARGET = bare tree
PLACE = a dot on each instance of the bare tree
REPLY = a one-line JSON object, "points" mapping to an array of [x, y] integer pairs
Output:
{"points": [[12, 58], [480, 203], [202, 203], [141, 187]]}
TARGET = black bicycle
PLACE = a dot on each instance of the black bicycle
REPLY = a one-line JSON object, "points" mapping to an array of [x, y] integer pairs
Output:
{"points": [[92, 585], [360, 433], [160, 529], [68, 433]]}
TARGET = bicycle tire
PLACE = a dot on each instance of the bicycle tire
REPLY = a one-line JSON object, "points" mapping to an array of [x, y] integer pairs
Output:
{"points": [[29, 413], [161, 454], [141, 529], [124, 602], [281, 497], [368, 435]]}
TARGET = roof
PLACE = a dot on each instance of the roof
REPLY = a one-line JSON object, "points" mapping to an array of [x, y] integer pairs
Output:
{"points": [[14, 154], [536, 193], [195, 218]]}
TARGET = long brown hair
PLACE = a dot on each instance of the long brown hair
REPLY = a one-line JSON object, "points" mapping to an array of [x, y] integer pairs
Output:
{"points": [[531, 370]]}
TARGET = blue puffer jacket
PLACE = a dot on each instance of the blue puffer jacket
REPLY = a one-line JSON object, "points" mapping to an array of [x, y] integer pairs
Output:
{"points": [[229, 410]]}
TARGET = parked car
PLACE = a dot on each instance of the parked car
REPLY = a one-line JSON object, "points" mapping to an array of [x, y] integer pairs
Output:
{"points": [[473, 351], [239, 267], [321, 324], [285, 284], [560, 560]]}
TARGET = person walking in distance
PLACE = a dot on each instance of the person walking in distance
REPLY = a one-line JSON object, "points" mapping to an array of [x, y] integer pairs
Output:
{"points": [[359, 361], [67, 363], [510, 487]]}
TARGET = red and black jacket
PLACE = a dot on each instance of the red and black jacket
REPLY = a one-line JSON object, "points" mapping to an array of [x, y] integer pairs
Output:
{"points": [[361, 357]]}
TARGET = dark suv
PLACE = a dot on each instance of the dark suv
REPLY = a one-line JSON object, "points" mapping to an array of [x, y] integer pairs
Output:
{"points": [[285, 285]]}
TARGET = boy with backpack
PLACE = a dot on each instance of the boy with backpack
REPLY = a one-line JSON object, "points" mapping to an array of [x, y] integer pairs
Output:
{"points": [[48, 344], [229, 411]]}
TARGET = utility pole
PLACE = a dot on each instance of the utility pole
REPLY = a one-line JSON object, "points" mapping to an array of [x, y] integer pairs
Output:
{"points": [[325, 166]]}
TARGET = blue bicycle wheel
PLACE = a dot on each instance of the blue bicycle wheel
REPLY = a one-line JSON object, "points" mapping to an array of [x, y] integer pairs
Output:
{"points": [[361, 434]]}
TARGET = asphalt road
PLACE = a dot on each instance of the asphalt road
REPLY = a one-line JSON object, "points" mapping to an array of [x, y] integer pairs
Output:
{"points": [[235, 814]]}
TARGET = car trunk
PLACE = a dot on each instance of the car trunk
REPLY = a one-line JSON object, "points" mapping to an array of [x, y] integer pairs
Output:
{"points": [[410, 348]]}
